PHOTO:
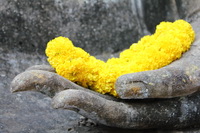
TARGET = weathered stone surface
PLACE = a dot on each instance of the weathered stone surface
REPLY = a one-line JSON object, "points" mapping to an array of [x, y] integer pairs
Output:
{"points": [[41, 67], [188, 10], [26, 27], [173, 113], [46, 82], [151, 7], [29, 111], [96, 25], [34, 115]]}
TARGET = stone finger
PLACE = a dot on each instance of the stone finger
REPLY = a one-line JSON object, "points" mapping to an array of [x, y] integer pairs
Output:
{"points": [[133, 114], [41, 67], [162, 83], [46, 82], [42, 81]]}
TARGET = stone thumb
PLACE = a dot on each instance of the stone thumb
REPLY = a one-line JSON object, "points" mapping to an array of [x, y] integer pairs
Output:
{"points": [[166, 82], [101, 110]]}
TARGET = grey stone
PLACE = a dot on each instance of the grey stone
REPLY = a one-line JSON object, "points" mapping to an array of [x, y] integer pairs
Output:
{"points": [[26, 27], [41, 67], [95, 25], [173, 113], [45, 82], [188, 10], [151, 16], [17, 114]]}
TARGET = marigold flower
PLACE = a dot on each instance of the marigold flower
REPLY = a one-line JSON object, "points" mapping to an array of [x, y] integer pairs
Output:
{"points": [[151, 52]]}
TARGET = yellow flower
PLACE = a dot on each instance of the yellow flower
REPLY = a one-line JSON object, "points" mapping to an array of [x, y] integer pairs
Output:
{"points": [[151, 52]]}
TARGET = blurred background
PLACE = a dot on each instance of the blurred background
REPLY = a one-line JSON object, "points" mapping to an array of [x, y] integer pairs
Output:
{"points": [[101, 27]]}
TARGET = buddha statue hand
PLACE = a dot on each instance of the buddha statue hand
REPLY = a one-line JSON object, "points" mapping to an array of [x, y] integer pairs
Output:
{"points": [[162, 98]]}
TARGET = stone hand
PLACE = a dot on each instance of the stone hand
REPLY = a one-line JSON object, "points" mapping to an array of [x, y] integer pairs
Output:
{"points": [[173, 83]]}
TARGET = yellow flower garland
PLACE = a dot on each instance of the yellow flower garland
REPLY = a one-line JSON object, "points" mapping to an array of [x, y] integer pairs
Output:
{"points": [[152, 52]]}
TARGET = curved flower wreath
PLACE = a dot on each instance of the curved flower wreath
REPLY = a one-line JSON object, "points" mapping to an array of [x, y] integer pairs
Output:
{"points": [[167, 44]]}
